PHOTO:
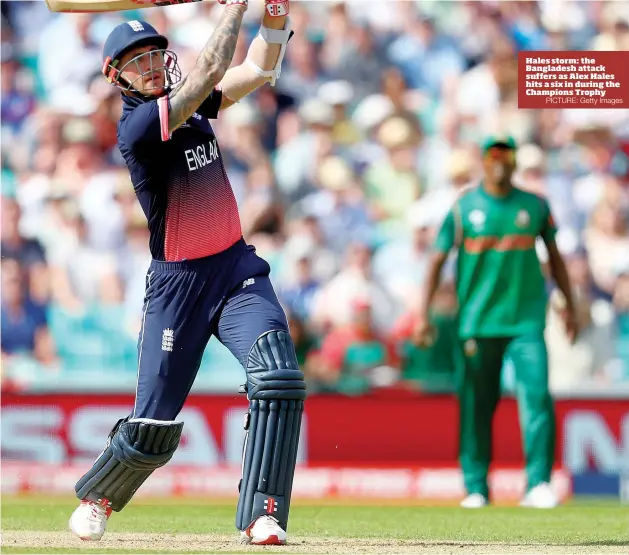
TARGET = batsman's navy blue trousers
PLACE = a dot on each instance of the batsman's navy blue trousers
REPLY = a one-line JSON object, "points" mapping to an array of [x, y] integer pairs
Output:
{"points": [[228, 295]]}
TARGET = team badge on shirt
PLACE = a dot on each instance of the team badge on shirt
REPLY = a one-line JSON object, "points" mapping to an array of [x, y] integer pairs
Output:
{"points": [[477, 219], [523, 219]]}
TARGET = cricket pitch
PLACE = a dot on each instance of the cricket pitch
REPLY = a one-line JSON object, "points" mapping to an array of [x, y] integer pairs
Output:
{"points": [[31, 525]]}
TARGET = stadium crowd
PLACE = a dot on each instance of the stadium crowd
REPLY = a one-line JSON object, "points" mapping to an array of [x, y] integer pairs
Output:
{"points": [[342, 172]]}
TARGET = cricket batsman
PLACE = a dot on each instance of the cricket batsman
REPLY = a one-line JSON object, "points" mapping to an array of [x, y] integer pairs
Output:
{"points": [[502, 313], [204, 279]]}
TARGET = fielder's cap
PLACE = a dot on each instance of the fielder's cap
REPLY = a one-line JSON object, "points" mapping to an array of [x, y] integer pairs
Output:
{"points": [[505, 141], [127, 35]]}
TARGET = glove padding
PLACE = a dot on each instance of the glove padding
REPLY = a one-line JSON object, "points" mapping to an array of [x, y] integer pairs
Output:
{"points": [[276, 8], [244, 3]]}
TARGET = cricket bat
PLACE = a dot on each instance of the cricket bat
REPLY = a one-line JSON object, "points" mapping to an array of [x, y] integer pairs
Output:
{"points": [[87, 6]]}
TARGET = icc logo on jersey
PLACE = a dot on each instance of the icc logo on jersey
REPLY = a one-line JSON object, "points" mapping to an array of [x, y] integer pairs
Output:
{"points": [[477, 219]]}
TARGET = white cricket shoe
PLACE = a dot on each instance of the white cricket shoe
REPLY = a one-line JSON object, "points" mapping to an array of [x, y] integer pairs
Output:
{"points": [[474, 501], [264, 531], [89, 520], [540, 497]]}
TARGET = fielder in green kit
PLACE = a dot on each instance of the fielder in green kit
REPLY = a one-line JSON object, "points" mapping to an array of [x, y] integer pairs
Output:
{"points": [[502, 313]]}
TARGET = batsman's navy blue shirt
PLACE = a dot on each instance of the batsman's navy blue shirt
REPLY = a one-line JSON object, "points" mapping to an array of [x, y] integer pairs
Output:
{"points": [[179, 179]]}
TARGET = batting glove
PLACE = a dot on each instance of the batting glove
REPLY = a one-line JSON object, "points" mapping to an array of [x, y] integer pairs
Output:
{"points": [[244, 3], [276, 8]]}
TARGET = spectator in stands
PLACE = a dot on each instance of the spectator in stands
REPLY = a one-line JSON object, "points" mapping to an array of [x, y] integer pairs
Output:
{"points": [[426, 57], [303, 75], [352, 356], [304, 237], [406, 103], [339, 95], [409, 254], [242, 126], [621, 307], [334, 304], [79, 271], [298, 294], [132, 261], [18, 100], [67, 57], [361, 61], [573, 364], [337, 26], [436, 367], [24, 324], [462, 171], [614, 33], [299, 157], [338, 205], [304, 341], [368, 116], [392, 183], [105, 117], [262, 209], [481, 90], [607, 241], [28, 252], [83, 167]]}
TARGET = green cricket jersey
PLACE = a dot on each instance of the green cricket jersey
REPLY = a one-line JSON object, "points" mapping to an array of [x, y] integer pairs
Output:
{"points": [[500, 285]]}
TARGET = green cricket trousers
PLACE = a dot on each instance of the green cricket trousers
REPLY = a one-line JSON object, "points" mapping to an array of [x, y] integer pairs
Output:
{"points": [[479, 392]]}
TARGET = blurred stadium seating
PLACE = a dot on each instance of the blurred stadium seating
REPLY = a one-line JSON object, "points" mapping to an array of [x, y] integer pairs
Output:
{"points": [[342, 173]]}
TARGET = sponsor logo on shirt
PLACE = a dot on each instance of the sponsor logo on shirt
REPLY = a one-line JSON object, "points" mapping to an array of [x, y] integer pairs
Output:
{"points": [[523, 219]]}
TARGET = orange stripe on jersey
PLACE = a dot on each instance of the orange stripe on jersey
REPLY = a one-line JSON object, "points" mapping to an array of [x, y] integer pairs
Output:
{"points": [[477, 245]]}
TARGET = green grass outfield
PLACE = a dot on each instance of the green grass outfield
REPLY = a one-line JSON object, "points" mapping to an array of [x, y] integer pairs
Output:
{"points": [[39, 525]]}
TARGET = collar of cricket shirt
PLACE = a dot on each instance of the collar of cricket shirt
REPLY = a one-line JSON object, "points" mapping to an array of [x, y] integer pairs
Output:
{"points": [[131, 102]]}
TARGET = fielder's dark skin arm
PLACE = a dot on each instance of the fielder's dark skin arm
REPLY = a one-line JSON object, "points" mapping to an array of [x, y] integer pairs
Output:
{"points": [[560, 273], [211, 65], [437, 260]]}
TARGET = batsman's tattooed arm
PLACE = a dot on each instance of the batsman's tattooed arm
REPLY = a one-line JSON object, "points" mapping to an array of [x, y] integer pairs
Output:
{"points": [[209, 69]]}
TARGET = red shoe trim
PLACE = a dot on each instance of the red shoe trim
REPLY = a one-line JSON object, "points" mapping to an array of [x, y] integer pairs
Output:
{"points": [[104, 502], [271, 540]]}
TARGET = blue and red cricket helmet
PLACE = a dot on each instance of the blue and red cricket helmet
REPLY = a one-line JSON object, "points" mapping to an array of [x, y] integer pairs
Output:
{"points": [[133, 34]]}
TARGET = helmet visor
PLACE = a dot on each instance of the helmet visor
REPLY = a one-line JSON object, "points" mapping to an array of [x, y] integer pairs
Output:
{"points": [[147, 72]]}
